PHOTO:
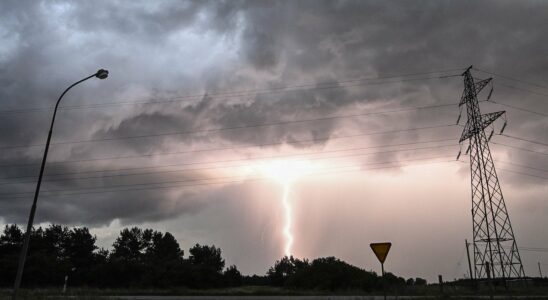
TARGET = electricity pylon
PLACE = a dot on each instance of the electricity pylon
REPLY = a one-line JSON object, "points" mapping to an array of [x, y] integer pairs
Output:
{"points": [[496, 252]]}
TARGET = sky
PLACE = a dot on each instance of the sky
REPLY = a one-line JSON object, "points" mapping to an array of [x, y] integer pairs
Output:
{"points": [[245, 124]]}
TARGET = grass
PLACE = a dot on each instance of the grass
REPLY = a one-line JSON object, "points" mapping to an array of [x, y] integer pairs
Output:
{"points": [[92, 293], [431, 290]]}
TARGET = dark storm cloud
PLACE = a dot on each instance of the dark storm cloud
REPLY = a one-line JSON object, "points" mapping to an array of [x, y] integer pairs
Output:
{"points": [[398, 36], [46, 45], [91, 195]]}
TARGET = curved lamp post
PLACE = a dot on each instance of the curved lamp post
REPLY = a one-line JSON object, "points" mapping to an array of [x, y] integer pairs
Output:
{"points": [[101, 74]]}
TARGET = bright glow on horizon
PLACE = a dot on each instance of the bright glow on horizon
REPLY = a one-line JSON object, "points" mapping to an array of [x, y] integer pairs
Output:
{"points": [[286, 171]]}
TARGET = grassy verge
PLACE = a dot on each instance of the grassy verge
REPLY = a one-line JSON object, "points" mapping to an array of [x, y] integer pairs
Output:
{"points": [[432, 290], [92, 293]]}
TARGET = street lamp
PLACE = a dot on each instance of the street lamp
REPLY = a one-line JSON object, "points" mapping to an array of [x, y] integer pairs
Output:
{"points": [[101, 74]]}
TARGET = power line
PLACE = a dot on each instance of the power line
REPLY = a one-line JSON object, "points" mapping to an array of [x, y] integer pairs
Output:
{"points": [[230, 94], [520, 165], [127, 169], [201, 179], [252, 146], [186, 180], [511, 78], [240, 93], [515, 172], [536, 248], [519, 148], [523, 139], [518, 88], [523, 89], [243, 181], [522, 173], [518, 108], [239, 166], [235, 127], [533, 249], [227, 161], [337, 137], [233, 181], [204, 150], [233, 160], [222, 182]]}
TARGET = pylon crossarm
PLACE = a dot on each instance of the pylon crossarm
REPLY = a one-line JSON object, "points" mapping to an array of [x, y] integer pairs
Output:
{"points": [[481, 84], [486, 120], [489, 118]]}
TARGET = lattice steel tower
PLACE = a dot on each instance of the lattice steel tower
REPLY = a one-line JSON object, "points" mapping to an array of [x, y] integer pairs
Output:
{"points": [[496, 252]]}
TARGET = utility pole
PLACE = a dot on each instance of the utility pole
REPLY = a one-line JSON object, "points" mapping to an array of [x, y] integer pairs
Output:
{"points": [[495, 249], [469, 263], [539, 270]]}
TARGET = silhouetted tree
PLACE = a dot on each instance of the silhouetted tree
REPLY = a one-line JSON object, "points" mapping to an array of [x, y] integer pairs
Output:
{"points": [[163, 258], [393, 280], [204, 267], [255, 280], [45, 263], [148, 258], [98, 272], [130, 245], [11, 241], [208, 256], [80, 255], [80, 247], [55, 241], [126, 265], [12, 237], [164, 248], [232, 276], [284, 268], [330, 273]]}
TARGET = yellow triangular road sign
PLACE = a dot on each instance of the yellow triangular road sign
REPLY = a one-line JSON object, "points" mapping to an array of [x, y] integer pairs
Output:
{"points": [[381, 250]]}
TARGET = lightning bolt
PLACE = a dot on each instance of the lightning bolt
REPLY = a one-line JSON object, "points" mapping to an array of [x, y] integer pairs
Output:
{"points": [[287, 228], [285, 173]]}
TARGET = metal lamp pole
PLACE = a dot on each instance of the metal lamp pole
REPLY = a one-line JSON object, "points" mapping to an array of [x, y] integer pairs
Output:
{"points": [[101, 74]]}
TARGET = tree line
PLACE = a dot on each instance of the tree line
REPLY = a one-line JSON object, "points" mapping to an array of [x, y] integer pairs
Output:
{"points": [[146, 258]]}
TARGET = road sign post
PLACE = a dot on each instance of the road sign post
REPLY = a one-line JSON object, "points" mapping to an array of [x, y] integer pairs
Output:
{"points": [[381, 251]]}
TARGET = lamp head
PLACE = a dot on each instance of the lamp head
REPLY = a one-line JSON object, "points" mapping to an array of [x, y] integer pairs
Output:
{"points": [[101, 74]]}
